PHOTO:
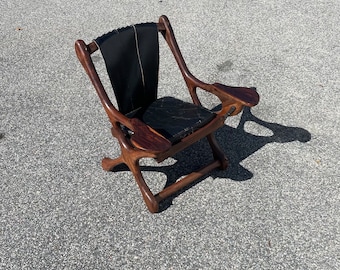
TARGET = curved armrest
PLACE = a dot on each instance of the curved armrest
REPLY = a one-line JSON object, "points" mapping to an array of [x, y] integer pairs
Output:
{"points": [[227, 94], [246, 96], [146, 138], [233, 98]]}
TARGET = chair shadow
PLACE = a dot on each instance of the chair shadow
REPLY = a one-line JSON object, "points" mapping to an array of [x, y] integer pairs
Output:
{"points": [[235, 142]]}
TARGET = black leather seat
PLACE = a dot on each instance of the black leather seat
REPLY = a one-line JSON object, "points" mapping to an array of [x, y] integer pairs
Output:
{"points": [[173, 118]]}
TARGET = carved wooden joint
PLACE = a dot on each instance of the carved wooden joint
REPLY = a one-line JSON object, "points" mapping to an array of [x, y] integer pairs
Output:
{"points": [[146, 138]]}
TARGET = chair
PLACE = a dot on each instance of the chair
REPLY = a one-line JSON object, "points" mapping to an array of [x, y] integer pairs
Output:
{"points": [[151, 127]]}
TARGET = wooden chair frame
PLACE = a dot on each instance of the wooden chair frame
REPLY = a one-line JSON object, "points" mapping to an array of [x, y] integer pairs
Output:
{"points": [[148, 143]]}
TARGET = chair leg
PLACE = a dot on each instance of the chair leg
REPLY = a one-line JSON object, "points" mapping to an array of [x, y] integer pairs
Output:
{"points": [[217, 151], [131, 157], [148, 197], [108, 164]]}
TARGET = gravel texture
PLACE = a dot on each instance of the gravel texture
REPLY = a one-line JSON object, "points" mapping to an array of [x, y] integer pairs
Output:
{"points": [[276, 207]]}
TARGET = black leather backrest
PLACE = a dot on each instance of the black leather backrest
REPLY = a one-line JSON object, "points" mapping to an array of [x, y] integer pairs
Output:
{"points": [[131, 56]]}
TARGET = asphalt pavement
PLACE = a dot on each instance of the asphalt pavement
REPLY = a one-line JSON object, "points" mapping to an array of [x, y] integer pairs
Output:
{"points": [[277, 205]]}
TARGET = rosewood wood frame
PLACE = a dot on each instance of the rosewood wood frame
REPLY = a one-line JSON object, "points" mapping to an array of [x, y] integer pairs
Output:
{"points": [[148, 143]]}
